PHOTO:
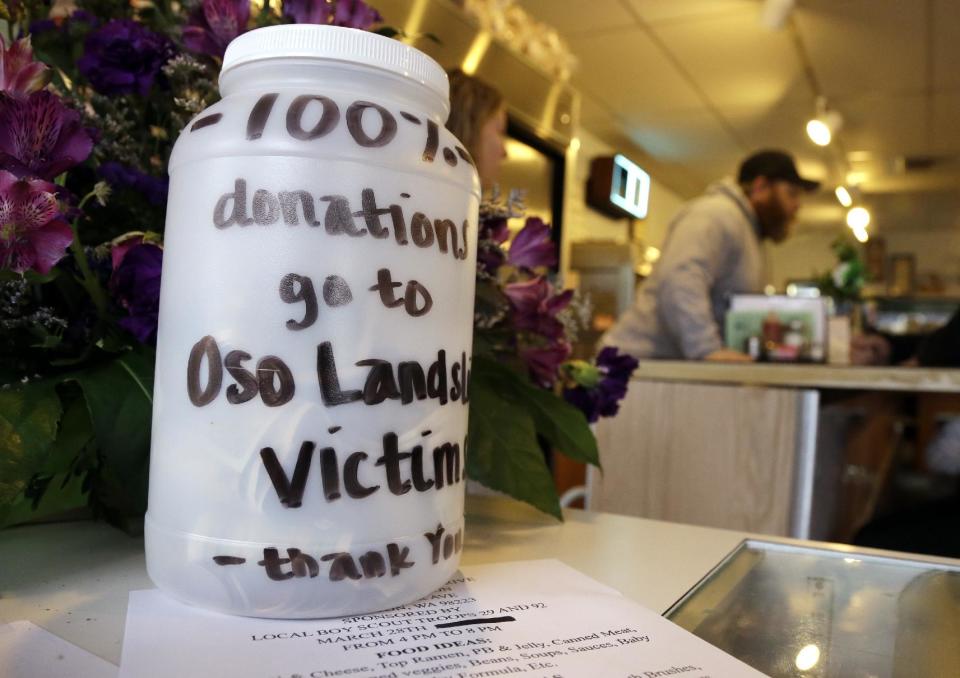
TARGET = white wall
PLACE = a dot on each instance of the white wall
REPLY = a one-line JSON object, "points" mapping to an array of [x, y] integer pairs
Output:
{"points": [[806, 253], [584, 223], [936, 251]]}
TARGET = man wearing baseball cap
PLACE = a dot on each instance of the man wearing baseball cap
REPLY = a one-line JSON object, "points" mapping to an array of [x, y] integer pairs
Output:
{"points": [[712, 251]]}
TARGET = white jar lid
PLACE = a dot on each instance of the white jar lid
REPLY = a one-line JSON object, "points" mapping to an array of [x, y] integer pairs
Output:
{"points": [[334, 43]]}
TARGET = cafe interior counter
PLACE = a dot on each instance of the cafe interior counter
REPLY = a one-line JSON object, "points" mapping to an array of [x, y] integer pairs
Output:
{"points": [[909, 379], [788, 450]]}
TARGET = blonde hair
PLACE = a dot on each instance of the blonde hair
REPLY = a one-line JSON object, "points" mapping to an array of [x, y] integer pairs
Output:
{"points": [[472, 103]]}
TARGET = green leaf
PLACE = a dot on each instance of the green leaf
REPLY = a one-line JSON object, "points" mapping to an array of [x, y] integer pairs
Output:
{"points": [[562, 424], [48, 341], [63, 492], [28, 425], [119, 399], [73, 434], [489, 300], [503, 452], [41, 278]]}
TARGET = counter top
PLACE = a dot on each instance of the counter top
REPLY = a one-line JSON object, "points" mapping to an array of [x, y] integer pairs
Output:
{"points": [[916, 379], [73, 579]]}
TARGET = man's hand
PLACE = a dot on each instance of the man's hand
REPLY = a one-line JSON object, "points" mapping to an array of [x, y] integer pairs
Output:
{"points": [[728, 355], [869, 349]]}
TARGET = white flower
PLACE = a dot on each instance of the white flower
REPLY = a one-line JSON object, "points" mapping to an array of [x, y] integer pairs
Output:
{"points": [[839, 274]]}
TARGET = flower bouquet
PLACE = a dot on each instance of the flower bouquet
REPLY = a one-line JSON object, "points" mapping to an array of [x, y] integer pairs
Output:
{"points": [[526, 394], [93, 94]]}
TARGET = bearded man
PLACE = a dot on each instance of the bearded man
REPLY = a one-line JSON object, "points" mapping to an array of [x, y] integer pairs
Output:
{"points": [[712, 251]]}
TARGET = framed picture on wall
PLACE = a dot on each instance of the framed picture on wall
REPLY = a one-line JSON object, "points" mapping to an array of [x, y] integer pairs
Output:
{"points": [[902, 274], [875, 254]]}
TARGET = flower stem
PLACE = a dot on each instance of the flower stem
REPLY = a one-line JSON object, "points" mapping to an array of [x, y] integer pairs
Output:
{"points": [[88, 280]]}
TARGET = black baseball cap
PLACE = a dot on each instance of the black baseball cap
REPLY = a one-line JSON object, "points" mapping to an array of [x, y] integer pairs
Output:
{"points": [[774, 164]]}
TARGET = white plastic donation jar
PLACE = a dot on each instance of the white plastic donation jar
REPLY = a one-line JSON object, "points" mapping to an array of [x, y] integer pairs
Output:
{"points": [[311, 392]]}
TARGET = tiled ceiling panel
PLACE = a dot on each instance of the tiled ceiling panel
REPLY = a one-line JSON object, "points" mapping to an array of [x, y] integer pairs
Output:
{"points": [[629, 72], [946, 45], [945, 122], [866, 46], [661, 11], [613, 131], [698, 83], [736, 61], [572, 18], [692, 138], [884, 123], [783, 127]]}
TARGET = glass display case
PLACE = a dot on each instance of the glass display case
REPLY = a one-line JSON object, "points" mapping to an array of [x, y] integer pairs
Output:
{"points": [[805, 611], [904, 316]]}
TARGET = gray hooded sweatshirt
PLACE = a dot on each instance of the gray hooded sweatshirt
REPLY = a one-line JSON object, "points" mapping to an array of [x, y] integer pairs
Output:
{"points": [[712, 251]]}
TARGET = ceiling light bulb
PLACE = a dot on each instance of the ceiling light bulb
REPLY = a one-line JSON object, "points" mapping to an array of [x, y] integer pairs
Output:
{"points": [[808, 657], [858, 217], [843, 195], [822, 128], [818, 132], [861, 234]]}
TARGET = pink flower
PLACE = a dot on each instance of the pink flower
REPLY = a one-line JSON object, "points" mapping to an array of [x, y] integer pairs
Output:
{"points": [[33, 235], [120, 246], [213, 24], [19, 73], [495, 229], [535, 307], [40, 136], [532, 247], [349, 13], [136, 285], [544, 362]]}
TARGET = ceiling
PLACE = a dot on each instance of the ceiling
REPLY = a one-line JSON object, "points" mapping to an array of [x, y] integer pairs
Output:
{"points": [[698, 84]]}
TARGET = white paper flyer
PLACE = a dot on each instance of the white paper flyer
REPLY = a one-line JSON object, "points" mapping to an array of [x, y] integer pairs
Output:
{"points": [[29, 651], [539, 619]]}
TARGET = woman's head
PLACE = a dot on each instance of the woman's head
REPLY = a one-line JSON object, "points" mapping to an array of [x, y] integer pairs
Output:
{"points": [[478, 118]]}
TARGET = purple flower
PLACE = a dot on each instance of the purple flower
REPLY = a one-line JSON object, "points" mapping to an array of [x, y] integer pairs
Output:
{"points": [[214, 24], [616, 365], [19, 73], [42, 26], [603, 398], [121, 245], [536, 308], [33, 235], [532, 247], [588, 401], [489, 257], [349, 13], [136, 286], [123, 57], [494, 229], [153, 189], [52, 24], [40, 136], [544, 362]]}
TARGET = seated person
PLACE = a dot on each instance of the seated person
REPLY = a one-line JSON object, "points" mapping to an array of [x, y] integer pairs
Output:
{"points": [[930, 528]]}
